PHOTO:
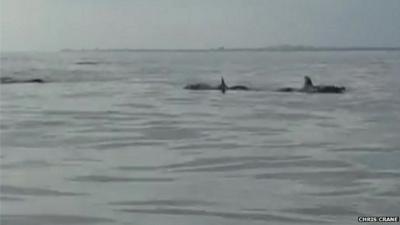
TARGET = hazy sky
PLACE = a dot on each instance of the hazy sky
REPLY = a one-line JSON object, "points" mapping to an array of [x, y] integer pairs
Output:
{"points": [[57, 24]]}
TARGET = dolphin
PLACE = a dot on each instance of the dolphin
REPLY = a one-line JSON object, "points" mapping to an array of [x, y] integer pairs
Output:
{"points": [[309, 87], [10, 80], [222, 87]]}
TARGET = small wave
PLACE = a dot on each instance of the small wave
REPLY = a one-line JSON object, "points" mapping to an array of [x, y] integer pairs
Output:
{"points": [[263, 165], [81, 159], [325, 210], [26, 164], [394, 192], [14, 190], [87, 63], [139, 168], [226, 215], [221, 145], [106, 179], [202, 162], [55, 219], [170, 133], [363, 149], [118, 144], [175, 202], [353, 191], [343, 178], [10, 199]]}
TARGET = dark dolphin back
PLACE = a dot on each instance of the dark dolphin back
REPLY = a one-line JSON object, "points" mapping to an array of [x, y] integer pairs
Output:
{"points": [[239, 87], [199, 86], [37, 80], [329, 89], [287, 89], [10, 80], [309, 87]]}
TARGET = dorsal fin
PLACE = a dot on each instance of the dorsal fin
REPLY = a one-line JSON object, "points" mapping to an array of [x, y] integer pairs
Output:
{"points": [[223, 82], [307, 82], [223, 85]]}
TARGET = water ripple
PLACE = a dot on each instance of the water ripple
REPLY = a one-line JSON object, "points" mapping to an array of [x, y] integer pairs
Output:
{"points": [[175, 202], [261, 165], [325, 210], [169, 133], [10, 199], [230, 159], [50, 219], [225, 215], [129, 135], [26, 164], [14, 190], [336, 178], [112, 179]]}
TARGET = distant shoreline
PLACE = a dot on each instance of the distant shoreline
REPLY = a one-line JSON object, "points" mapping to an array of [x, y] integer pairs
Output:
{"points": [[287, 48]]}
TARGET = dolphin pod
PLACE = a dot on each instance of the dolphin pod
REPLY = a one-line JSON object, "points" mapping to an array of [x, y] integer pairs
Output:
{"points": [[309, 87]]}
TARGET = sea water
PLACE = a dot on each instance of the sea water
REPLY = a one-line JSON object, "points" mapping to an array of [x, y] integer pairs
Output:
{"points": [[113, 138]]}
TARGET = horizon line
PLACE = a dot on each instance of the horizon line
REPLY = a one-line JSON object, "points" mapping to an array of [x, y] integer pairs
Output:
{"points": [[282, 48]]}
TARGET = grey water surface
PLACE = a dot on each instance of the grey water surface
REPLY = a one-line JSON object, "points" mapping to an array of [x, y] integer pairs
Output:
{"points": [[113, 138]]}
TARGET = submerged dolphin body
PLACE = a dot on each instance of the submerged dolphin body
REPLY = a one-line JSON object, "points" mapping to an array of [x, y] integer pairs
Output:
{"points": [[222, 87], [309, 87], [10, 80]]}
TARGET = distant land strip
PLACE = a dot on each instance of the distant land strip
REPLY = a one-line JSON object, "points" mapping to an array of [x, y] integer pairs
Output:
{"points": [[283, 48]]}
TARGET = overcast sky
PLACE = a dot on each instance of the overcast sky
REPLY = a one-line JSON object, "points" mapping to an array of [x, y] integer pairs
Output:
{"points": [[58, 24]]}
